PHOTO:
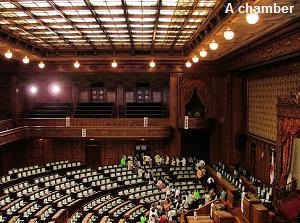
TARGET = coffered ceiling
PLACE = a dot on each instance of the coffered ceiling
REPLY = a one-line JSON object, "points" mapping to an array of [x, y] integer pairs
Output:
{"points": [[172, 30]]}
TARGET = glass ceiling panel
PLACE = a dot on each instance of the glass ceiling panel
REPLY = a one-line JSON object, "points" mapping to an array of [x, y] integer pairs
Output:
{"points": [[44, 13], [106, 3], [141, 12], [174, 23], [77, 12], [34, 4], [141, 2], [69, 3], [7, 5], [110, 12]]}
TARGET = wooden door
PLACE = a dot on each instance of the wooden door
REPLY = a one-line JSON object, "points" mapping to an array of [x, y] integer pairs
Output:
{"points": [[93, 154]]}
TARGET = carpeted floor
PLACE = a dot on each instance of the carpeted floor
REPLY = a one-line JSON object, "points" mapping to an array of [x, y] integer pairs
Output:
{"points": [[291, 208]]}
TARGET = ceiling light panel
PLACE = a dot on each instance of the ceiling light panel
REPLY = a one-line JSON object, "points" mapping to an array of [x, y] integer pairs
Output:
{"points": [[44, 13], [34, 4], [69, 3], [7, 5], [141, 2], [106, 3], [110, 12]]}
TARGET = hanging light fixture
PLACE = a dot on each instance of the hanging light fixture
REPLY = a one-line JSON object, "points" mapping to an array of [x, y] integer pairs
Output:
{"points": [[152, 64], [203, 53], [26, 60], [114, 64], [8, 54], [252, 18], [213, 45], [195, 59], [188, 64], [228, 34], [76, 64], [41, 65]]}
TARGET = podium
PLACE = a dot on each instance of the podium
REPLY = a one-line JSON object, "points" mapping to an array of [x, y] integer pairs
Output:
{"points": [[259, 213], [248, 202], [220, 216]]}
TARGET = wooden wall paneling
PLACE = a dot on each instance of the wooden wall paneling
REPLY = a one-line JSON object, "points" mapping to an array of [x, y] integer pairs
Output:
{"points": [[13, 155], [218, 110], [237, 119], [173, 113], [259, 164]]}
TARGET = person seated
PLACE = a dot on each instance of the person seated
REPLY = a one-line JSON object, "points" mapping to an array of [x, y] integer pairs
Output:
{"points": [[199, 174], [123, 161], [211, 183], [223, 195], [157, 159], [167, 205], [130, 165]]}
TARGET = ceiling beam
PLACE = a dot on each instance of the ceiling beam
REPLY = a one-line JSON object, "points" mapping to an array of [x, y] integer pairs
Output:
{"points": [[92, 10], [10, 32], [95, 8], [128, 24], [31, 15], [214, 20], [105, 16], [63, 15], [157, 16], [102, 23], [186, 21], [13, 40]]}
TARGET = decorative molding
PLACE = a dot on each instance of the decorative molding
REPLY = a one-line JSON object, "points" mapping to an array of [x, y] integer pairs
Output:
{"points": [[292, 99], [113, 133], [88, 122], [12, 135], [85, 68], [280, 42], [198, 123]]}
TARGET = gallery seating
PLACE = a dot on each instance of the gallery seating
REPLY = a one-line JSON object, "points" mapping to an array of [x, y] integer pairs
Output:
{"points": [[50, 110], [151, 110], [93, 110]]}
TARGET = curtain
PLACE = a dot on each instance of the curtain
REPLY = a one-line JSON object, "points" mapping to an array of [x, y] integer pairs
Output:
{"points": [[187, 93], [289, 128]]}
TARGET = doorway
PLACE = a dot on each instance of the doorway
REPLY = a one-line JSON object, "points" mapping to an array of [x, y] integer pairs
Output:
{"points": [[195, 143], [93, 154]]}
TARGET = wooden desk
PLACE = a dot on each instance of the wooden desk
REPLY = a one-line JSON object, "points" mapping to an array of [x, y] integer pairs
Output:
{"points": [[129, 212], [259, 213], [223, 183], [60, 216], [87, 217], [104, 219], [248, 202], [112, 211], [13, 219], [41, 211], [221, 216], [249, 187]]}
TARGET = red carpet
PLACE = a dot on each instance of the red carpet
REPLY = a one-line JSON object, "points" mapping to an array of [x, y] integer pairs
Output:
{"points": [[291, 208]]}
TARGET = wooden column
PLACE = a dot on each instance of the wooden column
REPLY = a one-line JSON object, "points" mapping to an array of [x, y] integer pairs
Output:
{"points": [[173, 111], [16, 109]]}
